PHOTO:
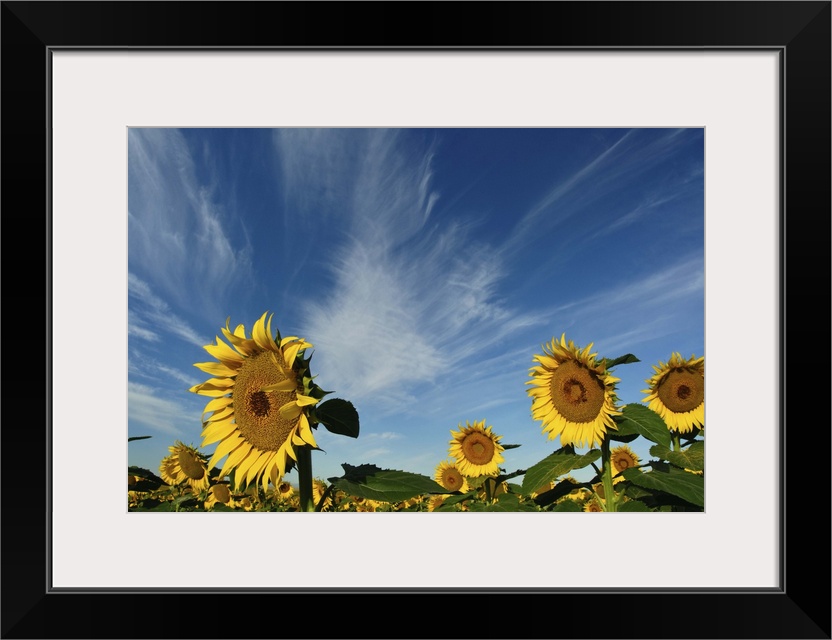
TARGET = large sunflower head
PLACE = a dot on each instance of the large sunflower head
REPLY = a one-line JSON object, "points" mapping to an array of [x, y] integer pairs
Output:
{"points": [[262, 391], [677, 392], [622, 458], [573, 395], [185, 465], [476, 449], [448, 475]]}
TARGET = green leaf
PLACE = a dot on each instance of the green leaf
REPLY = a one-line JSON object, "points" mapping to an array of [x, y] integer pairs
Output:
{"points": [[385, 485], [510, 446], [645, 422], [692, 458], [688, 486], [568, 506], [339, 417], [632, 506], [559, 463], [625, 359], [138, 438]]}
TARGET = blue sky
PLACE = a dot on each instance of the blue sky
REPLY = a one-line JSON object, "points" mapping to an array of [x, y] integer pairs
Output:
{"points": [[426, 266]]}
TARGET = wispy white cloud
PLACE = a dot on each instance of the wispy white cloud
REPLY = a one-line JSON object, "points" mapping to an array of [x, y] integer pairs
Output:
{"points": [[148, 367], [147, 408], [616, 165], [409, 297], [149, 310], [179, 239]]}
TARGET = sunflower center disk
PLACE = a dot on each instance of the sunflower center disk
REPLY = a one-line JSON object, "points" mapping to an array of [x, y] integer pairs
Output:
{"points": [[577, 393], [190, 465], [452, 479], [682, 391], [256, 412], [478, 448]]}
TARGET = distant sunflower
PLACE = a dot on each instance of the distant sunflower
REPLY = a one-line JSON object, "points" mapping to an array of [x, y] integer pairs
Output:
{"points": [[218, 494], [677, 392], [435, 502], [262, 393], [622, 458], [476, 449], [185, 465], [572, 394], [593, 506], [318, 489], [167, 470], [448, 475], [284, 490]]}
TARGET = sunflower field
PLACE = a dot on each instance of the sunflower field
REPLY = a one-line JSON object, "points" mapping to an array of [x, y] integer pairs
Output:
{"points": [[264, 409]]}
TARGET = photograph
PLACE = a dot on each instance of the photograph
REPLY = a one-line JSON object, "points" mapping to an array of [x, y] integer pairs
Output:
{"points": [[502, 319]]}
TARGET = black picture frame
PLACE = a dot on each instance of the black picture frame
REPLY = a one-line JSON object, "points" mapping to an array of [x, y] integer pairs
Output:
{"points": [[800, 608]]}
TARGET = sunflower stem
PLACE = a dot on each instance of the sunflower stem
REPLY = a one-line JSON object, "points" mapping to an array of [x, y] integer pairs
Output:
{"points": [[304, 454], [609, 494], [676, 444]]}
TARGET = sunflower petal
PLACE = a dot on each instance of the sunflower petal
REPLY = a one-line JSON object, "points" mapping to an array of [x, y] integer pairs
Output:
{"points": [[283, 385], [290, 410]]}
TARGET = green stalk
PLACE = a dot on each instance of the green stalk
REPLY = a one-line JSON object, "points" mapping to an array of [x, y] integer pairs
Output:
{"points": [[676, 444], [304, 454], [609, 494]]}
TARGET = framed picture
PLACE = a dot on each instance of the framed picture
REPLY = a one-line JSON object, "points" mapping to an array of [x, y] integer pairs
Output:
{"points": [[753, 78]]}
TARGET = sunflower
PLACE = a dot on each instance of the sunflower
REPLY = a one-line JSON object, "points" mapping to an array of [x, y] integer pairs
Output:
{"points": [[593, 506], [318, 489], [435, 502], [622, 458], [476, 449], [573, 395], [218, 494], [448, 475], [677, 392], [284, 490], [167, 470], [261, 393], [185, 464]]}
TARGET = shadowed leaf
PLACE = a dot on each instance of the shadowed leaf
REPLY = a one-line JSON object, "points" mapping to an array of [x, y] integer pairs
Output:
{"points": [[338, 416], [692, 458], [688, 486], [385, 485], [559, 463]]}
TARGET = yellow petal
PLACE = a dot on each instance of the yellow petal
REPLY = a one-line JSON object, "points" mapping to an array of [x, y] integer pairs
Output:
{"points": [[217, 403], [290, 410], [227, 446], [245, 465], [217, 431], [306, 431], [257, 467], [261, 335], [216, 369], [305, 401], [235, 458], [283, 385], [224, 353]]}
